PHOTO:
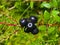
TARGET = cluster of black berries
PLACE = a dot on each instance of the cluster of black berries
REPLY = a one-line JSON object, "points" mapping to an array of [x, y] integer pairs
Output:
{"points": [[29, 24]]}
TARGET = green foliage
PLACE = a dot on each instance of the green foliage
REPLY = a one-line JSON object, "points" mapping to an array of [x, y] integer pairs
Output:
{"points": [[55, 15], [31, 4], [46, 16], [48, 13], [54, 3], [42, 28], [46, 5]]}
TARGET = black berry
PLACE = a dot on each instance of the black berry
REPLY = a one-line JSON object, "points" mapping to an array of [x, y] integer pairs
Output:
{"points": [[33, 19], [30, 25], [35, 31], [23, 22]]}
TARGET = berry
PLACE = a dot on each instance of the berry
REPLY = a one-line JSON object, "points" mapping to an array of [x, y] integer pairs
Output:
{"points": [[33, 19], [23, 22], [30, 25], [35, 31]]}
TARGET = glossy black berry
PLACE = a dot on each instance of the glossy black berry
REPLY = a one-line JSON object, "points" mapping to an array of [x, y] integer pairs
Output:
{"points": [[23, 22], [33, 19], [31, 25], [35, 31]]}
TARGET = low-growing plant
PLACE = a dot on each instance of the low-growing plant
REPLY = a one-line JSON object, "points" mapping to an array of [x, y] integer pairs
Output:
{"points": [[47, 30]]}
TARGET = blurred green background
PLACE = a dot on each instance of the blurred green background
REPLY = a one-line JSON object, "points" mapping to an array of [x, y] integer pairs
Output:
{"points": [[48, 13]]}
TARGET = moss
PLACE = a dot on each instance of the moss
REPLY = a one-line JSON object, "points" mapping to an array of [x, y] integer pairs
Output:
{"points": [[11, 33]]}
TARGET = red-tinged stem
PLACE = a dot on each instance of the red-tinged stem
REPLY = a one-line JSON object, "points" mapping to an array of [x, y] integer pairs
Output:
{"points": [[11, 24], [8, 24], [2, 22], [12, 19]]}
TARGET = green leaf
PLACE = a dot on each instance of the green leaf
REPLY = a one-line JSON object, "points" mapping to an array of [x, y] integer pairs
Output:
{"points": [[54, 3], [57, 18], [45, 4], [54, 13], [46, 16], [31, 4]]}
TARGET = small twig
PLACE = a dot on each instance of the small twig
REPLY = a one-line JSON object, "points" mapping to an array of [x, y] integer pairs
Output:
{"points": [[11, 8], [49, 24], [8, 24], [12, 18]]}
